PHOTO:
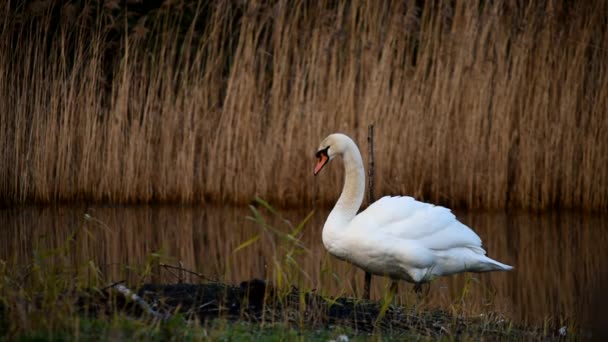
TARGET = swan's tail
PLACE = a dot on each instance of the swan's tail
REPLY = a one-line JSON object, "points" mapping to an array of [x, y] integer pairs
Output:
{"points": [[487, 264], [493, 265]]}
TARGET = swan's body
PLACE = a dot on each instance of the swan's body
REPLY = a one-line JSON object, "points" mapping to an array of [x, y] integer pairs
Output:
{"points": [[397, 237]]}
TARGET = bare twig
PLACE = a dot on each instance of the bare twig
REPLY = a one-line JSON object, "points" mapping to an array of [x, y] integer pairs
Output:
{"points": [[113, 284], [175, 275], [370, 197], [181, 272], [370, 169], [182, 269]]}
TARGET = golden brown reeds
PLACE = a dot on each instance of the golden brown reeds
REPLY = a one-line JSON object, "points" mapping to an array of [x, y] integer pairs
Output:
{"points": [[477, 104]]}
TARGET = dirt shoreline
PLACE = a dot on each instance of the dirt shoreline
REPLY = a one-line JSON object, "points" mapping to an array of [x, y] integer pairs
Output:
{"points": [[255, 301]]}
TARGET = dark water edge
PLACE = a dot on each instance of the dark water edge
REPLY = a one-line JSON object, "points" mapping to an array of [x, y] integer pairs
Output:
{"points": [[259, 302], [559, 257]]}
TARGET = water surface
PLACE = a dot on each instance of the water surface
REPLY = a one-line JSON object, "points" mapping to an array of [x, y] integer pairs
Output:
{"points": [[559, 257]]}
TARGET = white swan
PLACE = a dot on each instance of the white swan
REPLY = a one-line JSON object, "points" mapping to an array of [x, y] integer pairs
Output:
{"points": [[397, 237]]}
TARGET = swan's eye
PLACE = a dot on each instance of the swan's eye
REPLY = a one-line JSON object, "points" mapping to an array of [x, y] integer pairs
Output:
{"points": [[322, 152]]}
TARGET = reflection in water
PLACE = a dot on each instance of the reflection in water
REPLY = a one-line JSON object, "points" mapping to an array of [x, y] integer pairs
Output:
{"points": [[558, 257]]}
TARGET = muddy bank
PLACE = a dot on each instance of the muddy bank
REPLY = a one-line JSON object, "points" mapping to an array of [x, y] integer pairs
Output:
{"points": [[255, 301]]}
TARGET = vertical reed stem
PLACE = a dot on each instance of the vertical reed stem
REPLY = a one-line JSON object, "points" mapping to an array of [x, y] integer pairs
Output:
{"points": [[370, 169], [370, 196]]}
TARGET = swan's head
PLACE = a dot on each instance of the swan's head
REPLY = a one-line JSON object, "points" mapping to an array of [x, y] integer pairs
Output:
{"points": [[334, 145]]}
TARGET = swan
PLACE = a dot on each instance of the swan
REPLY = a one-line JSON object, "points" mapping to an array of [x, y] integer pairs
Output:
{"points": [[398, 237]]}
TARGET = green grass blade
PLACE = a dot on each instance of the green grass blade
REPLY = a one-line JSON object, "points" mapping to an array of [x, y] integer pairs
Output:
{"points": [[301, 225], [247, 243], [267, 206]]}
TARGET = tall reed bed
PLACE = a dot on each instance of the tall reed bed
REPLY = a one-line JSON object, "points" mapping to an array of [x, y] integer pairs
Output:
{"points": [[476, 104]]}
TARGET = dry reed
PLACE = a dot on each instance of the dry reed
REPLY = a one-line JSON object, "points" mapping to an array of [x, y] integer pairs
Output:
{"points": [[476, 104]]}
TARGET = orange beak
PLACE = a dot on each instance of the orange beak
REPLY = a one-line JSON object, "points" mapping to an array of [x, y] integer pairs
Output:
{"points": [[323, 159]]}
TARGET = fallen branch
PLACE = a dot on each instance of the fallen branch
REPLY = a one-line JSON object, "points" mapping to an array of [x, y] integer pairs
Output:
{"points": [[142, 303]]}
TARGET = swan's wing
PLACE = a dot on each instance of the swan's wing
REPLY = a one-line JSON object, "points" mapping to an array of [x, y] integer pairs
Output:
{"points": [[433, 227], [389, 209]]}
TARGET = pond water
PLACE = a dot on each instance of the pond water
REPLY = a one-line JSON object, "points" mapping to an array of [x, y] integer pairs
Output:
{"points": [[559, 258]]}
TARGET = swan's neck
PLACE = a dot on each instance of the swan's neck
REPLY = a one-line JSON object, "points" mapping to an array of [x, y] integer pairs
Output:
{"points": [[352, 193]]}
